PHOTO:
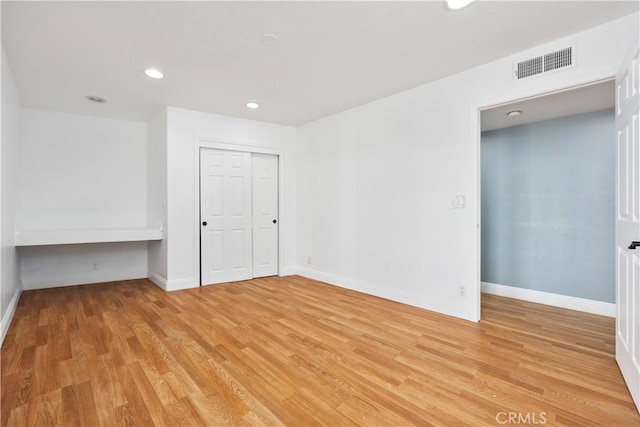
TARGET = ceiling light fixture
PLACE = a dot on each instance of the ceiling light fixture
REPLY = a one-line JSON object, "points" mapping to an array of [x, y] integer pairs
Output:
{"points": [[154, 74], [95, 99], [514, 113], [458, 4], [253, 105]]}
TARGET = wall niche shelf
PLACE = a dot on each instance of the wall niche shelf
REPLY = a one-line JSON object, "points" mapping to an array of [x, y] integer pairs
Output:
{"points": [[86, 235]]}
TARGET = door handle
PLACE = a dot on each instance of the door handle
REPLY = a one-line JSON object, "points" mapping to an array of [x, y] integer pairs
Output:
{"points": [[634, 245], [204, 223], [275, 220]]}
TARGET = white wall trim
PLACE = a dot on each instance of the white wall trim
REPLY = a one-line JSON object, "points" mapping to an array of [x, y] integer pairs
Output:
{"points": [[158, 280], [8, 315], [180, 284], [555, 300], [230, 145], [173, 285]]}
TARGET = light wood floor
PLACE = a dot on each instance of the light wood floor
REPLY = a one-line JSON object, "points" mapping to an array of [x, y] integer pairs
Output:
{"points": [[297, 352]]}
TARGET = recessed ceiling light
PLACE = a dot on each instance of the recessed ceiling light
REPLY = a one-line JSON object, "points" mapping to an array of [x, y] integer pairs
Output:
{"points": [[270, 39], [153, 73], [253, 105], [514, 113], [96, 99], [458, 4]]}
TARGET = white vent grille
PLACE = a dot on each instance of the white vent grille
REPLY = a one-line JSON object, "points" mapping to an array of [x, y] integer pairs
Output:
{"points": [[558, 59], [562, 58], [530, 67]]}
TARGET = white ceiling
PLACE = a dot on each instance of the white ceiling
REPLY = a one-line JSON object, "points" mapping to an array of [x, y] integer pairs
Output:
{"points": [[331, 56], [582, 100]]}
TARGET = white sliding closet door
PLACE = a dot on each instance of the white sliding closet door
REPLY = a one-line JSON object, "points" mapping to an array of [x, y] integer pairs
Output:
{"points": [[265, 215], [225, 216]]}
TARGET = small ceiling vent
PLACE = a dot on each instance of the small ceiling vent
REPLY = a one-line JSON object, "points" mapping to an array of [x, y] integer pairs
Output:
{"points": [[563, 58]]}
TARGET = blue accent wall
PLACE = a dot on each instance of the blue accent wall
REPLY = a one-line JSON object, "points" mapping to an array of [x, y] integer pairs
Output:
{"points": [[548, 206]]}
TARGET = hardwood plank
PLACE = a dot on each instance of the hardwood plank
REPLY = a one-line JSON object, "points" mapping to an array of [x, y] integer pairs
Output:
{"points": [[294, 351], [78, 405], [183, 413], [17, 417], [45, 410], [106, 389]]}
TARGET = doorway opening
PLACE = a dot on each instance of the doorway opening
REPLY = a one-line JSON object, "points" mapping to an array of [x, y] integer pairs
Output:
{"points": [[547, 199]]}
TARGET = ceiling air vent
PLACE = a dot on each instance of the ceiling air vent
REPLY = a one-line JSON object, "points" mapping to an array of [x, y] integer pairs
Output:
{"points": [[562, 58]]}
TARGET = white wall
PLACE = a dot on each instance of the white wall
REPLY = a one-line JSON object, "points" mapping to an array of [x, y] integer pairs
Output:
{"points": [[81, 172], [9, 167], [185, 129], [375, 182], [157, 192]]}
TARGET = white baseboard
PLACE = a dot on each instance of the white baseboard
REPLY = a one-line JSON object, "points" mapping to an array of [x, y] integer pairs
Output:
{"points": [[157, 279], [8, 315], [337, 280], [439, 305], [83, 278], [179, 284], [555, 300], [172, 285]]}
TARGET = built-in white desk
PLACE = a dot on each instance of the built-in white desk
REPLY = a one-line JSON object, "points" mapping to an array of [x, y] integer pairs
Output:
{"points": [[86, 235]]}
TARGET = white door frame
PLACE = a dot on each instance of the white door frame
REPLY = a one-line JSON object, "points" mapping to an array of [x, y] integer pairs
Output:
{"points": [[476, 131], [250, 147]]}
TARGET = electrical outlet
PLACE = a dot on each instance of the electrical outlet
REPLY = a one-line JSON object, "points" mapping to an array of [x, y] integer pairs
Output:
{"points": [[94, 266], [309, 260], [461, 291]]}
